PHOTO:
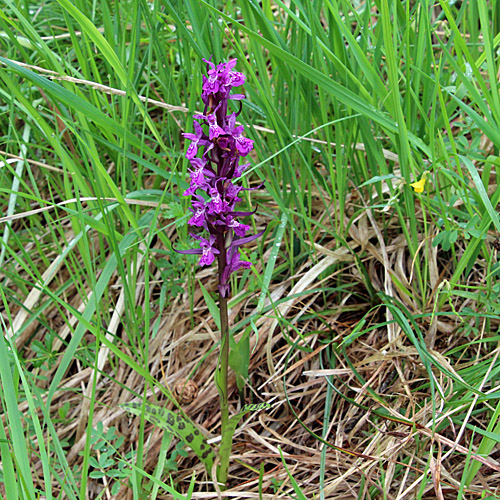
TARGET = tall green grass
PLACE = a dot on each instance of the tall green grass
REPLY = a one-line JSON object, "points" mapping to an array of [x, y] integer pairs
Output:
{"points": [[388, 90]]}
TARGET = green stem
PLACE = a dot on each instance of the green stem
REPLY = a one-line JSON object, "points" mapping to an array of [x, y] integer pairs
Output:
{"points": [[222, 375], [225, 450]]}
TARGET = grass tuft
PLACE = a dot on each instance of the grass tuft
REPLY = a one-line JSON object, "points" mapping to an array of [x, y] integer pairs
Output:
{"points": [[371, 313]]}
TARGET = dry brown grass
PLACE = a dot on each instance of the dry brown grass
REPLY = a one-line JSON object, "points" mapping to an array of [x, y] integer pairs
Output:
{"points": [[392, 456]]}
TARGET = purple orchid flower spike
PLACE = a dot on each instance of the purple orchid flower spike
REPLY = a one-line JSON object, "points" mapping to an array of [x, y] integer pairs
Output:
{"points": [[215, 192], [215, 171]]}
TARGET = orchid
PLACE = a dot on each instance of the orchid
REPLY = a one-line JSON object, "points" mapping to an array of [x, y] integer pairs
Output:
{"points": [[215, 171], [215, 193]]}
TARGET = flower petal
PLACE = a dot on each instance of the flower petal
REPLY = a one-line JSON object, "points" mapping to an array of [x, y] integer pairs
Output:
{"points": [[419, 185]]}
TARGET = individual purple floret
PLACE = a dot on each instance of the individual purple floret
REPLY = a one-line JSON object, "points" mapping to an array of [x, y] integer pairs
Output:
{"points": [[196, 138], [208, 250], [213, 173]]}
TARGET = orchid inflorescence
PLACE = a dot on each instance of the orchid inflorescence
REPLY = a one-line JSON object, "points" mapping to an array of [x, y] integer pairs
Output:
{"points": [[215, 171]]}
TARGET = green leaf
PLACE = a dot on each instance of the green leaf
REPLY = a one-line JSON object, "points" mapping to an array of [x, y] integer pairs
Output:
{"points": [[115, 488], [227, 437], [181, 427], [295, 485], [212, 306], [482, 192], [239, 359]]}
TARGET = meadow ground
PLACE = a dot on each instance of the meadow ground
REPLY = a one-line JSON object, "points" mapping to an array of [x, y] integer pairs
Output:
{"points": [[370, 317]]}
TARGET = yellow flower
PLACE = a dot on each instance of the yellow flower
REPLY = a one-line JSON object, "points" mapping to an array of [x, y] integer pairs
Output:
{"points": [[419, 185]]}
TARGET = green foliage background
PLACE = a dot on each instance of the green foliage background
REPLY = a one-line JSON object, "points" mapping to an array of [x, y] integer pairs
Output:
{"points": [[348, 102]]}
